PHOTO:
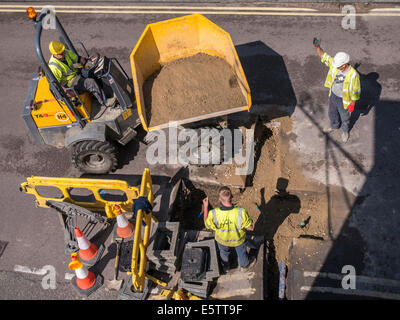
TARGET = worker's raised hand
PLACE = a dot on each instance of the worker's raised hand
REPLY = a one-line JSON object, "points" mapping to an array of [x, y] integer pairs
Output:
{"points": [[205, 208], [317, 45]]}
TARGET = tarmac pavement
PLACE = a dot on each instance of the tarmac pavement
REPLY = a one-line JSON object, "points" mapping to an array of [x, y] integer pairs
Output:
{"points": [[360, 177]]}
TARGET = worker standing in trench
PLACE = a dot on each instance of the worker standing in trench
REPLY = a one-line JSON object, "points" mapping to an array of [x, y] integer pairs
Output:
{"points": [[230, 224], [344, 86]]}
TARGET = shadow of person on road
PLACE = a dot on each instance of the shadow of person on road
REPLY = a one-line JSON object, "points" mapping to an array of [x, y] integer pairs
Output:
{"points": [[370, 94], [272, 215], [276, 210]]}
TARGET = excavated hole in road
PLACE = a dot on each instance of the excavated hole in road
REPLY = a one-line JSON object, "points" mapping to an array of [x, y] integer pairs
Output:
{"points": [[277, 217]]}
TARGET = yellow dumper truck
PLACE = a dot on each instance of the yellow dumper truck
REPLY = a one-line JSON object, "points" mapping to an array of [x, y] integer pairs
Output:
{"points": [[93, 133]]}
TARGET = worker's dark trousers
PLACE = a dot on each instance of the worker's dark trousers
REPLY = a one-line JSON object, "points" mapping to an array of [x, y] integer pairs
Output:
{"points": [[90, 84], [240, 251], [338, 116]]}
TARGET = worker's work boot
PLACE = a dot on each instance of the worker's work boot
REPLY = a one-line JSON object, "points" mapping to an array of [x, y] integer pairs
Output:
{"points": [[328, 130], [251, 265], [345, 137], [224, 267]]}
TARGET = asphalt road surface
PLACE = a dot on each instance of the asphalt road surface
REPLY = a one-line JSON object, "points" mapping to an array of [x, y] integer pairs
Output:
{"points": [[364, 212]]}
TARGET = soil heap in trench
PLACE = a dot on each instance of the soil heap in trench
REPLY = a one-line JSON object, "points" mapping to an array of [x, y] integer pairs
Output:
{"points": [[190, 87]]}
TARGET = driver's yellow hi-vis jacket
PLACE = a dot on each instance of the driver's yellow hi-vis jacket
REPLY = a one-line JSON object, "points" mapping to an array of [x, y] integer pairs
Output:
{"points": [[351, 84], [65, 73], [229, 225]]}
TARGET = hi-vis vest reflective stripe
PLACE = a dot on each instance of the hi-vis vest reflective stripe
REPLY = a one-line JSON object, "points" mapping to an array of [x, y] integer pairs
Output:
{"points": [[351, 84], [64, 73], [229, 230]]}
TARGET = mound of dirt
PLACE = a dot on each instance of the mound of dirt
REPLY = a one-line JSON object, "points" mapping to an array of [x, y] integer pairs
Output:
{"points": [[189, 87]]}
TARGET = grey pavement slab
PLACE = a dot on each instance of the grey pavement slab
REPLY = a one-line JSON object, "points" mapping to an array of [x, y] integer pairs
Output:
{"points": [[200, 288], [163, 243], [213, 267]]}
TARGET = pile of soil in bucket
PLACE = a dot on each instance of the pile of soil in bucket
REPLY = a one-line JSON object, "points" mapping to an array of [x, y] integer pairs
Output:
{"points": [[189, 87]]}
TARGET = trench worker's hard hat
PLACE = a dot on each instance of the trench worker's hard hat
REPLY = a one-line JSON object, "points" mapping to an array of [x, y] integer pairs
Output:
{"points": [[340, 59], [56, 47]]}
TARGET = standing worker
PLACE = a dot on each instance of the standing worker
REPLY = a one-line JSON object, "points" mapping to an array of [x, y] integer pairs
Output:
{"points": [[344, 86], [230, 224], [63, 65]]}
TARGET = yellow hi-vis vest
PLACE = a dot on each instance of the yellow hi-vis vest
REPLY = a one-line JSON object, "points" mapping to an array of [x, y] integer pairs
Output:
{"points": [[351, 84], [229, 225], [64, 73]]}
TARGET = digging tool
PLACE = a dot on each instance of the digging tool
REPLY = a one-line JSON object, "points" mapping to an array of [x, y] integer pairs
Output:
{"points": [[174, 293], [303, 223], [282, 279], [115, 284]]}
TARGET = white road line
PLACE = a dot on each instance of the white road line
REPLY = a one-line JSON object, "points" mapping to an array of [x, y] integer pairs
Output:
{"points": [[166, 7], [363, 279], [38, 271], [221, 10], [24, 269], [384, 9], [364, 293], [69, 276], [323, 275], [310, 14]]}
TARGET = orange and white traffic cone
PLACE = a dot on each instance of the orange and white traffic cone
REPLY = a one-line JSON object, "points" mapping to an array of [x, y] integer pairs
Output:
{"points": [[88, 252], [124, 227], [85, 282]]}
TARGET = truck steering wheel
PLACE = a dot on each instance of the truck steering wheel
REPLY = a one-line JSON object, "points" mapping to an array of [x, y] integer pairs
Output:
{"points": [[92, 62]]}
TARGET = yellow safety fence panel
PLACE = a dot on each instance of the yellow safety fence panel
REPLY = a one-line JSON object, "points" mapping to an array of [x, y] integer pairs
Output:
{"points": [[65, 185], [176, 38], [139, 259]]}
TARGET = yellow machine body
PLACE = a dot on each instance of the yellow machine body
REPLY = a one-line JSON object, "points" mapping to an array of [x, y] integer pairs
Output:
{"points": [[48, 112], [182, 37]]}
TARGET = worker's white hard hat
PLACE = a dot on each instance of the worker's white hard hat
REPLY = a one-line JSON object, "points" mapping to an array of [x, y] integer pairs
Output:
{"points": [[340, 59]]}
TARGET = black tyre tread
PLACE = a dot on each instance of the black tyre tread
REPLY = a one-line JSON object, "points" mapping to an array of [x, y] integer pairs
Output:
{"points": [[94, 145]]}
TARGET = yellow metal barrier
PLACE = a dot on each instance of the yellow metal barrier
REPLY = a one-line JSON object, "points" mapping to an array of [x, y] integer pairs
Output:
{"points": [[65, 185], [94, 185], [138, 271]]}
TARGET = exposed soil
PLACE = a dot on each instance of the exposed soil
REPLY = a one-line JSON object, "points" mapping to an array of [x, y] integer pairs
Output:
{"points": [[189, 87], [277, 216]]}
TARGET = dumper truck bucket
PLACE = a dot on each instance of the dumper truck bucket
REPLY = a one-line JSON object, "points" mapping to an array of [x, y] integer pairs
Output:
{"points": [[168, 40]]}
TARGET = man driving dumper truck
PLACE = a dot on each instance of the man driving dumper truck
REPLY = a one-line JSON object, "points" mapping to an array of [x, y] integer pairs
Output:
{"points": [[59, 111], [66, 67]]}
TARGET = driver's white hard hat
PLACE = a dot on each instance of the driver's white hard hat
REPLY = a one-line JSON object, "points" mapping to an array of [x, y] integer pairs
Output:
{"points": [[340, 59]]}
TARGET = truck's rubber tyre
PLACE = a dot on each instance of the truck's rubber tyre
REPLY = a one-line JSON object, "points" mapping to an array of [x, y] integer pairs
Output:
{"points": [[96, 157]]}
